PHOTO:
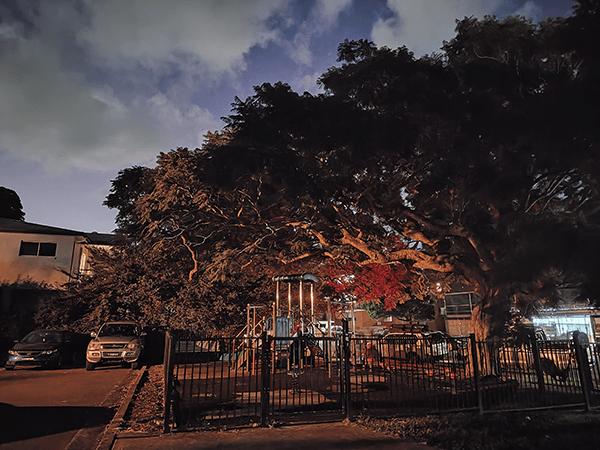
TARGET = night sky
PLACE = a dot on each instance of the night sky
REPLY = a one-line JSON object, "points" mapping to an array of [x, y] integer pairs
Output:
{"points": [[88, 87]]}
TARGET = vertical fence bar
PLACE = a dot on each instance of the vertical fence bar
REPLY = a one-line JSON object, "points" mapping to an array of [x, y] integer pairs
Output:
{"points": [[265, 378], [346, 367], [476, 373], [585, 374], [168, 365], [537, 364]]}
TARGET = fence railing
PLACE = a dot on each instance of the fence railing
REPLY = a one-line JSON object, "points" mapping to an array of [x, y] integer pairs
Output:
{"points": [[243, 380]]}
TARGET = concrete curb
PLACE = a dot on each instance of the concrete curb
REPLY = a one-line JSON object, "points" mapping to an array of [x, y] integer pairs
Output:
{"points": [[110, 433]]}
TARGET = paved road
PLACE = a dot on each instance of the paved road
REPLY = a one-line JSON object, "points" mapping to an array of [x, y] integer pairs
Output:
{"points": [[55, 409]]}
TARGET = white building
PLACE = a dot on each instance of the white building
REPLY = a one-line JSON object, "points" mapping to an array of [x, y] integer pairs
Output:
{"points": [[41, 254]]}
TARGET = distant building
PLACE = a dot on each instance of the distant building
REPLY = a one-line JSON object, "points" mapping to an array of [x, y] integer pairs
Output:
{"points": [[41, 254], [569, 315]]}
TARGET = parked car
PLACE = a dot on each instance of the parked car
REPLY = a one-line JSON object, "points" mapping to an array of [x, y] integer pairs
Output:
{"points": [[43, 348], [116, 342], [426, 347]]}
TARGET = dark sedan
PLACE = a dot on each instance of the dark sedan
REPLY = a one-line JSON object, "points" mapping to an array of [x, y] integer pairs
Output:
{"points": [[43, 348]]}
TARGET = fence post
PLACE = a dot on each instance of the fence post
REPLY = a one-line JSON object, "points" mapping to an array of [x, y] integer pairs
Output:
{"points": [[476, 374], [168, 366], [537, 364], [585, 374], [265, 374], [346, 401]]}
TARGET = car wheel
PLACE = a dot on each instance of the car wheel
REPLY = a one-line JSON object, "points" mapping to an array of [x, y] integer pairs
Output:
{"points": [[135, 365], [9, 367], [89, 365]]}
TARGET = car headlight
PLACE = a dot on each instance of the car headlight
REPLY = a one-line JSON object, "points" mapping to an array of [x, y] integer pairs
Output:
{"points": [[49, 352], [94, 346], [133, 345], [12, 352]]}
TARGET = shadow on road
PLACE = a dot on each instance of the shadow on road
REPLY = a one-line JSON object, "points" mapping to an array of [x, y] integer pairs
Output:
{"points": [[26, 422]]}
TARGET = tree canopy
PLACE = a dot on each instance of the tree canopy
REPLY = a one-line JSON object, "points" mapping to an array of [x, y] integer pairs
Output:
{"points": [[10, 204], [478, 164]]}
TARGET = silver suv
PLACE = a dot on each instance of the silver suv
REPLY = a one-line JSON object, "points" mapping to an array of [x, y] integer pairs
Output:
{"points": [[116, 342]]}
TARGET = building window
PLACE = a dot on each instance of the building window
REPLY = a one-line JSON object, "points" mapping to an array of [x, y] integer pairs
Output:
{"points": [[37, 249], [459, 304]]}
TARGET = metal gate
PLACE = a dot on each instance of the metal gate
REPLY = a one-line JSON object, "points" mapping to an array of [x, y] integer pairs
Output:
{"points": [[213, 381]]}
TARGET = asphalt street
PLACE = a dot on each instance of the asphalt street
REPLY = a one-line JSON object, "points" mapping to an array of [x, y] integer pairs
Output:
{"points": [[58, 409]]}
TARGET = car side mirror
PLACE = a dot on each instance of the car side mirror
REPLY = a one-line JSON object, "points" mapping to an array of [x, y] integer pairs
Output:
{"points": [[94, 335]]}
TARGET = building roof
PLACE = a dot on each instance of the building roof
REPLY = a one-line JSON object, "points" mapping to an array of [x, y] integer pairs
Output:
{"points": [[100, 238], [20, 226]]}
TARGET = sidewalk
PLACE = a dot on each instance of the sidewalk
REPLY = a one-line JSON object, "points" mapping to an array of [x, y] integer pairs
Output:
{"points": [[293, 437]]}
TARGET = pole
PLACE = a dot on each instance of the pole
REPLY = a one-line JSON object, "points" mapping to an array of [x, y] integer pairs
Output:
{"points": [[254, 341], [475, 359], [289, 299], [301, 309], [274, 338], [353, 320], [247, 343], [345, 372], [312, 308], [329, 353], [265, 378], [328, 317]]}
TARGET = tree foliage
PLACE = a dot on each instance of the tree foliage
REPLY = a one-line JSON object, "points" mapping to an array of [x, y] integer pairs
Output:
{"points": [[10, 204], [477, 165]]}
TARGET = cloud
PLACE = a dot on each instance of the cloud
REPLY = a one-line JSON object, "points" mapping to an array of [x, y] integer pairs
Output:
{"points": [[307, 83], [148, 32], [531, 10], [422, 25], [110, 83], [323, 16]]}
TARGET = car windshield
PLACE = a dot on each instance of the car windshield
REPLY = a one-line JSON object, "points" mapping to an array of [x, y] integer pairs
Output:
{"points": [[118, 329], [45, 337]]}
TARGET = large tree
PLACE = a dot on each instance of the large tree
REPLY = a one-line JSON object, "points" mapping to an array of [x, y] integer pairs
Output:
{"points": [[481, 161]]}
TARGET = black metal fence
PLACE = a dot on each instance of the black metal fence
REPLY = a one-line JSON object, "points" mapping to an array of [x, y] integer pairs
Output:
{"points": [[244, 380], [254, 380]]}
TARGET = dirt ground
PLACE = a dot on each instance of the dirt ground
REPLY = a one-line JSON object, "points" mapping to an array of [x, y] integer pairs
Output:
{"points": [[146, 413], [544, 430]]}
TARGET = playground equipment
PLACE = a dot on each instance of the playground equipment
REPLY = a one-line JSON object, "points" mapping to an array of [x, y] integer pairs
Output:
{"points": [[283, 318]]}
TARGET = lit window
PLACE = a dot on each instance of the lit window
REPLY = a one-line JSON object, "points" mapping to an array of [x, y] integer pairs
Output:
{"points": [[37, 249]]}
